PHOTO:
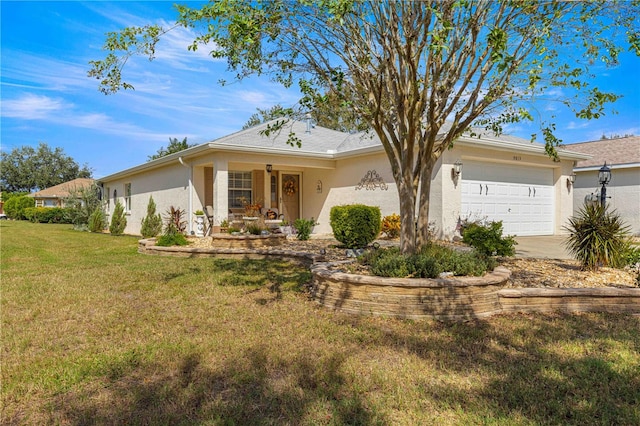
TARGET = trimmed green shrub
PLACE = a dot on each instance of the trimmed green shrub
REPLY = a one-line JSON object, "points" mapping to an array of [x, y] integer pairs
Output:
{"points": [[429, 262], [355, 225], [152, 222], [303, 228], [632, 257], [598, 237], [97, 220], [172, 240], [118, 220], [46, 215], [14, 207], [488, 239]]}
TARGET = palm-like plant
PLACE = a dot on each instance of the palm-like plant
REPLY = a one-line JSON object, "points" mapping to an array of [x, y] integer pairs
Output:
{"points": [[597, 237]]}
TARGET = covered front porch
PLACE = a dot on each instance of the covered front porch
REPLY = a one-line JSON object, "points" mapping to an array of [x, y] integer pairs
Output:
{"points": [[237, 186]]}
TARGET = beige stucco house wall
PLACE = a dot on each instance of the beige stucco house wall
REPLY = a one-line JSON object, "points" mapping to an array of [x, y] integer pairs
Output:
{"points": [[331, 168], [622, 156]]}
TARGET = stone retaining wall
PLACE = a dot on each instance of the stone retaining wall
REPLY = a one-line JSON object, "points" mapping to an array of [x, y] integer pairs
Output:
{"points": [[602, 299], [455, 298]]}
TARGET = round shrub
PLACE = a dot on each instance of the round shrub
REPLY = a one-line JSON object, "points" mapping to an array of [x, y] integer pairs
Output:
{"points": [[14, 207], [355, 225], [488, 239]]}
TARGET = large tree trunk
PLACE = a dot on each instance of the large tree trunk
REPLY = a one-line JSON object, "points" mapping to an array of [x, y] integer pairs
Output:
{"points": [[406, 194], [423, 236]]}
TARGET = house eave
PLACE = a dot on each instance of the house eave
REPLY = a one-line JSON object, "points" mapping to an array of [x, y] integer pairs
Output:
{"points": [[611, 166], [216, 147], [154, 164], [211, 147], [509, 146]]}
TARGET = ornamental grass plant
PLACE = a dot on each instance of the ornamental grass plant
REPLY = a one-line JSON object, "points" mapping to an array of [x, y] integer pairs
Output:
{"points": [[598, 237]]}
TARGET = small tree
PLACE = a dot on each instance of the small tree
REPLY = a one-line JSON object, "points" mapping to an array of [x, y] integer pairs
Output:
{"points": [[118, 220], [81, 203], [97, 220], [152, 222]]}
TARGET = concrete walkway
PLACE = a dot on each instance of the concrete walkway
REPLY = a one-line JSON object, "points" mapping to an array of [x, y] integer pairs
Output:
{"points": [[542, 247]]}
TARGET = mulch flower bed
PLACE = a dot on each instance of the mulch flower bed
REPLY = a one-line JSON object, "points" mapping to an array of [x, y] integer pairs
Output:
{"points": [[525, 272]]}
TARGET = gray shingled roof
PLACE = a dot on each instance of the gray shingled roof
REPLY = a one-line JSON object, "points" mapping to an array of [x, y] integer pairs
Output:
{"points": [[318, 140], [323, 140], [614, 151]]}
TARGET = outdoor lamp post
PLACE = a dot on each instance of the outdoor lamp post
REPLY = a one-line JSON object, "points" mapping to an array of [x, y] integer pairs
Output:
{"points": [[604, 177]]}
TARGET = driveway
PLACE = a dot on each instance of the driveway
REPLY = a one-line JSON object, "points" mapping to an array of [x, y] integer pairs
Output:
{"points": [[542, 247]]}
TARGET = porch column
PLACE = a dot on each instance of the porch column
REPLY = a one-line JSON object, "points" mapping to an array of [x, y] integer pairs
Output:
{"points": [[220, 190]]}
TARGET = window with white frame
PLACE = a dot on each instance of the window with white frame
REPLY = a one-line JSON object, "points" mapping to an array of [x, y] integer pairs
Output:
{"points": [[127, 196], [239, 188]]}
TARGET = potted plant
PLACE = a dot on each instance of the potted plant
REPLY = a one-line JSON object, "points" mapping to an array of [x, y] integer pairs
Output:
{"points": [[199, 214], [284, 227], [224, 225]]}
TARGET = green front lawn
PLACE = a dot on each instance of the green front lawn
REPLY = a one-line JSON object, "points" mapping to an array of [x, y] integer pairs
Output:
{"points": [[95, 333]]}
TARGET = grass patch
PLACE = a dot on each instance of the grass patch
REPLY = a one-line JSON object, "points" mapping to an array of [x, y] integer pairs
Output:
{"points": [[95, 333]]}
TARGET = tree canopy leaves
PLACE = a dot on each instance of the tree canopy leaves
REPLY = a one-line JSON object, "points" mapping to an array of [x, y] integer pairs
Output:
{"points": [[174, 146], [26, 168], [418, 73]]}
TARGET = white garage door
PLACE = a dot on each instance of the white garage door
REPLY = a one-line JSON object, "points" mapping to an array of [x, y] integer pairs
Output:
{"points": [[521, 197]]}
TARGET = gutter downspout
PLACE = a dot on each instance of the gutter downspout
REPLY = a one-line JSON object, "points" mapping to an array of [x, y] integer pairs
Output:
{"points": [[190, 167]]}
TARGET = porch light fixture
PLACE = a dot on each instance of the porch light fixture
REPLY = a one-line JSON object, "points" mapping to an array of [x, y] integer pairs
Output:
{"points": [[456, 170], [319, 187], [269, 168], [604, 177], [571, 180]]}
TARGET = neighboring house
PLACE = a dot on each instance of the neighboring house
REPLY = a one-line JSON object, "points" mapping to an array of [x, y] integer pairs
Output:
{"points": [[504, 178], [622, 156], [55, 195]]}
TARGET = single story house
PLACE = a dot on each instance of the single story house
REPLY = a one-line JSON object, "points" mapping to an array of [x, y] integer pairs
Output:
{"points": [[501, 178], [622, 156], [54, 196]]}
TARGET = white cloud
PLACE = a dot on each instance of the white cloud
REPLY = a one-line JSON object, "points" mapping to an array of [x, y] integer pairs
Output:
{"points": [[572, 125], [32, 107], [44, 73]]}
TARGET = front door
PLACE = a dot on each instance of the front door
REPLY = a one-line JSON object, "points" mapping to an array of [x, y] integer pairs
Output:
{"points": [[290, 196]]}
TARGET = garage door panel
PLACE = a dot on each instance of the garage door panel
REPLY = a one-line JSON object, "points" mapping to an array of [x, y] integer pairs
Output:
{"points": [[525, 208]]}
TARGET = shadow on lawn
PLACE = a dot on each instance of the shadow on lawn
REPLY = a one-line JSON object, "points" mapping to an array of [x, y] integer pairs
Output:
{"points": [[246, 391], [550, 369]]}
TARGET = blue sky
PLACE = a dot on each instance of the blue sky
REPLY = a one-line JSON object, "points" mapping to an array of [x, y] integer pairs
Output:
{"points": [[47, 97]]}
